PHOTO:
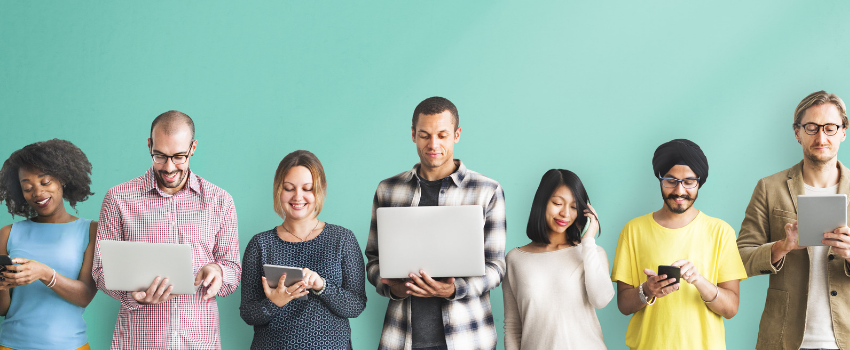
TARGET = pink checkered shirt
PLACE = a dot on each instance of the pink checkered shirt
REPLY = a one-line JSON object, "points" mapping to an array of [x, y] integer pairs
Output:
{"points": [[201, 215]]}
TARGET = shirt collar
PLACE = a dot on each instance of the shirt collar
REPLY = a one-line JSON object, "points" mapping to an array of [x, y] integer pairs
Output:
{"points": [[456, 177], [193, 182]]}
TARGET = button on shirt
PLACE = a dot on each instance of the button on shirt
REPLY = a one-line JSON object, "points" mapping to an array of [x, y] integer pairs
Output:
{"points": [[200, 215]]}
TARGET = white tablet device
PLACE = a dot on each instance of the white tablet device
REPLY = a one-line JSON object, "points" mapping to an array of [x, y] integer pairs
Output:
{"points": [[132, 266], [444, 241], [273, 273], [817, 214]]}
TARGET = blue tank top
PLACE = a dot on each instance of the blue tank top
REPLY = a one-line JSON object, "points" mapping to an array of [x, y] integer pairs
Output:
{"points": [[38, 318]]}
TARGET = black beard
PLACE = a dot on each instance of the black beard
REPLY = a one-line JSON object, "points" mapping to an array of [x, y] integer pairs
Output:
{"points": [[677, 210]]}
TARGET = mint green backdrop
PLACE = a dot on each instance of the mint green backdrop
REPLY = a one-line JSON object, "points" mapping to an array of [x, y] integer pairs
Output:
{"points": [[592, 87]]}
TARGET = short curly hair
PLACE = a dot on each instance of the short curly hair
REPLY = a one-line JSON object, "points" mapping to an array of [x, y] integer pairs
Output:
{"points": [[57, 158]]}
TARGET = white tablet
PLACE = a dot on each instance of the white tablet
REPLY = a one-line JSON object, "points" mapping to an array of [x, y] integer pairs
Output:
{"points": [[132, 266], [273, 273], [817, 214], [444, 241]]}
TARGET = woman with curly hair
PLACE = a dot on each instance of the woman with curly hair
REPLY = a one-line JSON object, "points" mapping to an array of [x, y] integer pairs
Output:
{"points": [[51, 247]]}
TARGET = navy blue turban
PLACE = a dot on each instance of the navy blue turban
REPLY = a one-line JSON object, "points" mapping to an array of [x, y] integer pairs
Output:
{"points": [[680, 152]]}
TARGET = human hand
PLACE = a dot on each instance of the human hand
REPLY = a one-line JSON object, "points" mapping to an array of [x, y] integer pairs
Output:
{"points": [[792, 238], [281, 295], [784, 246], [211, 276], [839, 240], [593, 223], [158, 292], [688, 271], [26, 272], [312, 279], [398, 287], [656, 286], [427, 287]]}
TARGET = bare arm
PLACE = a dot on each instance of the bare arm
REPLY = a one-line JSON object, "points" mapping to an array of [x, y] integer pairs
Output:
{"points": [[628, 296], [5, 297], [721, 299], [76, 291], [79, 291], [726, 304], [628, 300]]}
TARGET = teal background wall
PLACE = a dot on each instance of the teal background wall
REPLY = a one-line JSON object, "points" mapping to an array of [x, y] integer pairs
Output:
{"points": [[593, 87]]}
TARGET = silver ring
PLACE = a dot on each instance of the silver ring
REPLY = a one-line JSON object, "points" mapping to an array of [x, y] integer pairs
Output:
{"points": [[287, 292]]}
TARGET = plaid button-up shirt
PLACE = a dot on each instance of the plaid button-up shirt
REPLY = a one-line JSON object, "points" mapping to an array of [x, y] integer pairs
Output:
{"points": [[201, 215], [467, 318]]}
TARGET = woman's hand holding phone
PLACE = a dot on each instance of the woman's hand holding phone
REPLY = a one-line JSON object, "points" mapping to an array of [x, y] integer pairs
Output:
{"points": [[591, 228], [28, 271]]}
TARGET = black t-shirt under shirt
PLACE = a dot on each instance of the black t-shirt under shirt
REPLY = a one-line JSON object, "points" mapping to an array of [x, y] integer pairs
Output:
{"points": [[427, 313]]}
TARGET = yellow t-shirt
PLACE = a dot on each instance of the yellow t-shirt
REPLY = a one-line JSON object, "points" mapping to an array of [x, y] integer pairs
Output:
{"points": [[680, 320]]}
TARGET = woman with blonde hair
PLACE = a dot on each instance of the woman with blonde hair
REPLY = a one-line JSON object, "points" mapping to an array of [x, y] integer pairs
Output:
{"points": [[329, 255]]}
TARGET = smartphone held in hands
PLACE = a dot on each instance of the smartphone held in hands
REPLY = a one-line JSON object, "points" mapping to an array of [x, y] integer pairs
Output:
{"points": [[671, 272], [5, 260]]}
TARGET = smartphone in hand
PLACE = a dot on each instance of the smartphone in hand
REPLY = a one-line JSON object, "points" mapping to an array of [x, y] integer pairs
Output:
{"points": [[5, 260], [671, 272]]}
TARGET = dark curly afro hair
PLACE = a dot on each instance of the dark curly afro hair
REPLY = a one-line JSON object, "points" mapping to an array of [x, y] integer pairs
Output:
{"points": [[57, 158]]}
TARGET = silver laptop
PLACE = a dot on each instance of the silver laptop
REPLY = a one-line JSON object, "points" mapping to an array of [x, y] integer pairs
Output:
{"points": [[817, 214], [444, 241], [132, 266]]}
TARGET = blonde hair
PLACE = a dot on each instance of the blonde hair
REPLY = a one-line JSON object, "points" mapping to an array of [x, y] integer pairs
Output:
{"points": [[308, 160], [819, 98]]}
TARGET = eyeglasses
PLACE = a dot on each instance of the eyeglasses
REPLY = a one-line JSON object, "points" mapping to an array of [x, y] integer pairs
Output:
{"points": [[672, 182], [177, 159], [828, 129]]}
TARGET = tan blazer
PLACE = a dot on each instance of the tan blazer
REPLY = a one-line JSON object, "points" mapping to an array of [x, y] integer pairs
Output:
{"points": [[774, 203]]}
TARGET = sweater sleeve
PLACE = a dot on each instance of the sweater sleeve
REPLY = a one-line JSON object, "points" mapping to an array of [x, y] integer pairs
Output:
{"points": [[348, 299], [513, 322], [597, 282], [255, 308]]}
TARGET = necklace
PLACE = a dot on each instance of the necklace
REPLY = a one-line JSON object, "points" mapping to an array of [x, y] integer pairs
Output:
{"points": [[308, 233]]}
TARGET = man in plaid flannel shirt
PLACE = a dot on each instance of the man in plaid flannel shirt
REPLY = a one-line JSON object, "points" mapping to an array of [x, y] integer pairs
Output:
{"points": [[170, 204], [440, 313]]}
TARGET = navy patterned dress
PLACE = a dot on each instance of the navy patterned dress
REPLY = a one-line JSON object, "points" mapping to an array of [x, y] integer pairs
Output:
{"points": [[320, 321]]}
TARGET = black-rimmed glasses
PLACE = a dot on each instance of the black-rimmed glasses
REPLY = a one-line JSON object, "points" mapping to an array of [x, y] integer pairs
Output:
{"points": [[177, 159], [812, 129], [672, 182]]}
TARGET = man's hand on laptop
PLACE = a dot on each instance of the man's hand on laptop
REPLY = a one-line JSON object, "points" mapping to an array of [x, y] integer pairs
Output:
{"points": [[158, 292], [211, 275], [426, 287], [397, 287]]}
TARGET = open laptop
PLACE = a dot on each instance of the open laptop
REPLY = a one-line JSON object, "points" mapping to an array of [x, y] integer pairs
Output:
{"points": [[444, 241], [132, 266]]}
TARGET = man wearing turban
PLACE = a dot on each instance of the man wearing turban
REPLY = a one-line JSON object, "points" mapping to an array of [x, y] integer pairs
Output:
{"points": [[669, 314], [809, 294]]}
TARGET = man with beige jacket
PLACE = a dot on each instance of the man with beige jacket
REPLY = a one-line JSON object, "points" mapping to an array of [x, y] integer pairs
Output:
{"points": [[808, 298]]}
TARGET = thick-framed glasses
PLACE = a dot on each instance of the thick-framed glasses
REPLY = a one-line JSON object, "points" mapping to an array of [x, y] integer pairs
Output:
{"points": [[828, 129], [672, 182], [177, 159]]}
